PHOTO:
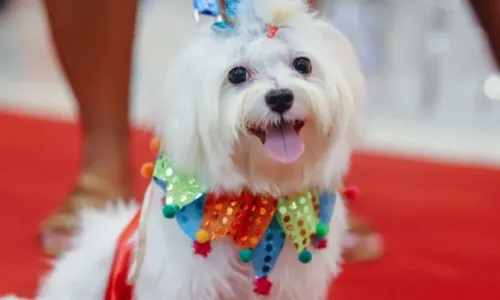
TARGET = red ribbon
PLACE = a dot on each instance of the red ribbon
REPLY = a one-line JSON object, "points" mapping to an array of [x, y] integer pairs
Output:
{"points": [[271, 31], [118, 286]]}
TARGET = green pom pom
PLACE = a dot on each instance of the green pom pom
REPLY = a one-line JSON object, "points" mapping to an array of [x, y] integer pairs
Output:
{"points": [[246, 255], [322, 230], [305, 256], [169, 211]]}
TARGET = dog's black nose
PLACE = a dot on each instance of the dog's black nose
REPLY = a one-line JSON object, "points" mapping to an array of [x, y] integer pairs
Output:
{"points": [[279, 100]]}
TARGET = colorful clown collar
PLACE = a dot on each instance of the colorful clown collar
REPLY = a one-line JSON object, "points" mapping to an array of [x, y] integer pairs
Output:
{"points": [[259, 225]]}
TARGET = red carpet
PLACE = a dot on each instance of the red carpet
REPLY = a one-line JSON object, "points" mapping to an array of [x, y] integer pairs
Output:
{"points": [[440, 222]]}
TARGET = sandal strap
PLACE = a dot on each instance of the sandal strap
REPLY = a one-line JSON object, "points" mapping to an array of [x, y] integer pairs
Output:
{"points": [[93, 191], [98, 185], [63, 221]]}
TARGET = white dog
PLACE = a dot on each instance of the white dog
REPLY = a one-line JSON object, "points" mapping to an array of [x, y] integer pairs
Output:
{"points": [[261, 109]]}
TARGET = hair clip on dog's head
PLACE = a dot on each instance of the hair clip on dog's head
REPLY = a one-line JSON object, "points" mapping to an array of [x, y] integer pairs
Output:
{"points": [[224, 12], [271, 14], [271, 31], [206, 7]]}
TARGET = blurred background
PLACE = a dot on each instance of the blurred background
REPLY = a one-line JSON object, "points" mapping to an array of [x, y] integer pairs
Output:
{"points": [[427, 168]]}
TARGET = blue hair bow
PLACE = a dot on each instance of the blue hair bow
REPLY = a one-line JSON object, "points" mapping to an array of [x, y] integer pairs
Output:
{"points": [[211, 8], [205, 7]]}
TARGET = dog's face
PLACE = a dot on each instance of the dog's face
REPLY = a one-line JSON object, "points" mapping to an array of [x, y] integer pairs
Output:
{"points": [[271, 114]]}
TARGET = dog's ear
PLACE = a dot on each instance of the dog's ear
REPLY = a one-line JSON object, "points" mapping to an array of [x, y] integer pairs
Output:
{"points": [[175, 115], [345, 82], [188, 111], [352, 88]]}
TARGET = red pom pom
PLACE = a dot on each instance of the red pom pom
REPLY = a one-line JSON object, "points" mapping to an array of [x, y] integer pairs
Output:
{"points": [[262, 286], [202, 249], [351, 193], [321, 244]]}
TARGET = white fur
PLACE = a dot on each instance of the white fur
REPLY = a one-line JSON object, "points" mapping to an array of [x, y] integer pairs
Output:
{"points": [[202, 119], [83, 272]]}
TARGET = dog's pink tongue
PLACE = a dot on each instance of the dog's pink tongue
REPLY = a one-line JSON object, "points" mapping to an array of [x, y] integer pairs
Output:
{"points": [[283, 143]]}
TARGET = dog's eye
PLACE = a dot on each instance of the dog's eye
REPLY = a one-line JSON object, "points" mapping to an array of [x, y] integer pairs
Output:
{"points": [[302, 65], [237, 75]]}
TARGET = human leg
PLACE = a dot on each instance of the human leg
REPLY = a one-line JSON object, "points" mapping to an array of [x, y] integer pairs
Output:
{"points": [[487, 13], [93, 39]]}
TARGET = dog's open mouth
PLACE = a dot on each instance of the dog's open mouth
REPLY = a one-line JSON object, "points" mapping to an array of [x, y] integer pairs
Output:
{"points": [[281, 141]]}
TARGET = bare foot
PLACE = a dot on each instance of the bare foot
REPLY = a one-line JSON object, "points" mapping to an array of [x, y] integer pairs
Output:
{"points": [[361, 243], [91, 190]]}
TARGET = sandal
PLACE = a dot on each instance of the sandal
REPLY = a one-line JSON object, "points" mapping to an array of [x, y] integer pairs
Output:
{"points": [[58, 229], [362, 243]]}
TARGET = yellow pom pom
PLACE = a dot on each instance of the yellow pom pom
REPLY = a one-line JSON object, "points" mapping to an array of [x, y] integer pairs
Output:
{"points": [[147, 170], [202, 236], [155, 145]]}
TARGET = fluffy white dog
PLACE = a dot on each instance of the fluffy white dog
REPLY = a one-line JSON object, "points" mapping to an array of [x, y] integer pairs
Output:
{"points": [[264, 105]]}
